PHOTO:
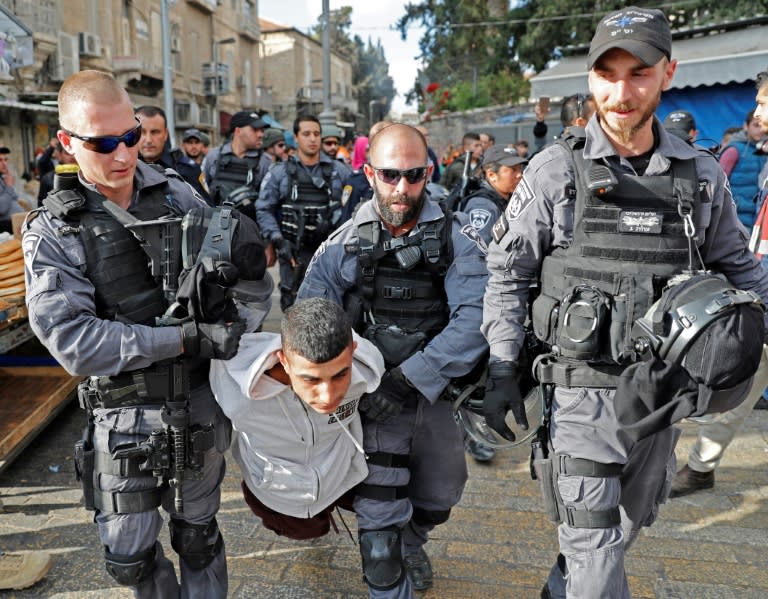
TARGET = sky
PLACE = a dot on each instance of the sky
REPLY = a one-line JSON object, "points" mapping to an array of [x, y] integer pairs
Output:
{"points": [[370, 18]]}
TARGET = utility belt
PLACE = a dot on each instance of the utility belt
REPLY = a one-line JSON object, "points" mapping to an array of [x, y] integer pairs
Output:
{"points": [[562, 372], [153, 457], [148, 386]]}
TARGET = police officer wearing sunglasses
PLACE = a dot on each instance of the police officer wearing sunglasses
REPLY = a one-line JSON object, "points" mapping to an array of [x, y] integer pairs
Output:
{"points": [[93, 302], [412, 278]]}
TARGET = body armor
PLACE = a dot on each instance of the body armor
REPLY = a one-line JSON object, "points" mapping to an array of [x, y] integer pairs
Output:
{"points": [[628, 241], [306, 216], [401, 287], [233, 172]]}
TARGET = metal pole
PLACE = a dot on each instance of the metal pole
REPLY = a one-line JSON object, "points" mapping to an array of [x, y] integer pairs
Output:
{"points": [[167, 72], [327, 117]]}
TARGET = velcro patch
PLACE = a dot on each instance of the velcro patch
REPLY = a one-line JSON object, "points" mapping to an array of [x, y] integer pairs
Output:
{"points": [[641, 221], [520, 200], [471, 233], [500, 228]]}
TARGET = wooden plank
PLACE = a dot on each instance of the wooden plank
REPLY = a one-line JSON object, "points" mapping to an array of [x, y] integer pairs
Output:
{"points": [[32, 396]]}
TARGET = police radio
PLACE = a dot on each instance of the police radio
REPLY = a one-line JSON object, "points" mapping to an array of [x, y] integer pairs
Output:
{"points": [[601, 180]]}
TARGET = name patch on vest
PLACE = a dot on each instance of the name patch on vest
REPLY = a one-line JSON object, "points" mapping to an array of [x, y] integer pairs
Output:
{"points": [[640, 221], [500, 228]]}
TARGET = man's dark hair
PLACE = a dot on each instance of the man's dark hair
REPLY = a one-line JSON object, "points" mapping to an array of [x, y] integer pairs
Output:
{"points": [[749, 117], [151, 111], [470, 136], [761, 79], [491, 137], [522, 142], [305, 118], [574, 107], [317, 329]]}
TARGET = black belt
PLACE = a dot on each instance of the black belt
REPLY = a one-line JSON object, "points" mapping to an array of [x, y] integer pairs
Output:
{"points": [[577, 374]]}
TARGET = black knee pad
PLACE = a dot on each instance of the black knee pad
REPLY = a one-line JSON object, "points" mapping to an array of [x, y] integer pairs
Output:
{"points": [[430, 517], [190, 541], [382, 557], [130, 570]]}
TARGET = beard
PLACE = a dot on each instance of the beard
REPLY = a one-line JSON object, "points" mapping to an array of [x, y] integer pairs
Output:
{"points": [[396, 218], [625, 131]]}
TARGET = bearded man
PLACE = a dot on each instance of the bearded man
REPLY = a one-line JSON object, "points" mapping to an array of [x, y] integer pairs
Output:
{"points": [[412, 279]]}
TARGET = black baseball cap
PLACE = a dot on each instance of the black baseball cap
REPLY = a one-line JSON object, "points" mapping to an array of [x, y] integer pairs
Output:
{"points": [[247, 118], [643, 32], [680, 123], [192, 134], [502, 155]]}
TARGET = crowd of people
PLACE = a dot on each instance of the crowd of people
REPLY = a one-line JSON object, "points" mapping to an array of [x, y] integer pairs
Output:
{"points": [[399, 284]]}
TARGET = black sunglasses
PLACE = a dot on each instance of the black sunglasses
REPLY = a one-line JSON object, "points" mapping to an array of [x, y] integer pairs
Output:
{"points": [[330, 143], [106, 144], [392, 176]]}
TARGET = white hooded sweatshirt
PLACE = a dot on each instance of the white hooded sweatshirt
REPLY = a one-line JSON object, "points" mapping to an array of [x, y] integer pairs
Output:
{"points": [[293, 459]]}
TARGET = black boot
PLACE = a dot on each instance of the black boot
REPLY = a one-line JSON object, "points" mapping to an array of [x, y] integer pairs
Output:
{"points": [[688, 481]]}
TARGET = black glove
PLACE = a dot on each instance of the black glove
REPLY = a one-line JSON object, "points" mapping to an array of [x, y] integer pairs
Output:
{"points": [[203, 291], [284, 249], [502, 393], [388, 400], [217, 340]]}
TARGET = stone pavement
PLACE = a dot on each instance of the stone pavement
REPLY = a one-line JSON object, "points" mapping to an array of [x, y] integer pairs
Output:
{"points": [[498, 543]]}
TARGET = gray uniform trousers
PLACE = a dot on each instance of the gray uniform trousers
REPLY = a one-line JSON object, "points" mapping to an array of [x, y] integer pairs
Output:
{"points": [[584, 425], [126, 534], [435, 477]]}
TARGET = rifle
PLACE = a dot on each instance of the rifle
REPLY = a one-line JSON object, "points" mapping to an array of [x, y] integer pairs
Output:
{"points": [[465, 173]]}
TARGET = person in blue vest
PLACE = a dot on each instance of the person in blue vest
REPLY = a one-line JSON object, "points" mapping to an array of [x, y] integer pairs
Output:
{"points": [[743, 166]]}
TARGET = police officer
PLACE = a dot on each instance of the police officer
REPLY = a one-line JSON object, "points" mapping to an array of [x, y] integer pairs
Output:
{"points": [[154, 148], [413, 280], [598, 222], [239, 161], [192, 144], [274, 144], [502, 170], [299, 205], [331, 143], [92, 302]]}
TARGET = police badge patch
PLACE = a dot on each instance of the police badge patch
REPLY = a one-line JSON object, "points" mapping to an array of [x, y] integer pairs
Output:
{"points": [[345, 193], [479, 218], [520, 200], [29, 243], [641, 221], [471, 233]]}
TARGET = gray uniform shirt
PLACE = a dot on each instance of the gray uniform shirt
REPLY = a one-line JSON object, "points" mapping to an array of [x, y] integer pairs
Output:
{"points": [[540, 217], [457, 348], [275, 189], [60, 297]]}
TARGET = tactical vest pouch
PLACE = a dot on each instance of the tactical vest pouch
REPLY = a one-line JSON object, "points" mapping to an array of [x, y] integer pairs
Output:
{"points": [[84, 466], [395, 344], [544, 316], [582, 322]]}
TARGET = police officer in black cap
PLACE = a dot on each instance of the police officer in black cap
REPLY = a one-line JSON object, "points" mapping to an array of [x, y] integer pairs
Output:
{"points": [[603, 222], [240, 161]]}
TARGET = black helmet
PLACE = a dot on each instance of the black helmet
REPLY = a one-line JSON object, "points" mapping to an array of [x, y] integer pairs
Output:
{"points": [[704, 324]]}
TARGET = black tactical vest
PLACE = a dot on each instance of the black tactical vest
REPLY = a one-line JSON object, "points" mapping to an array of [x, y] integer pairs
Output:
{"points": [[307, 212], [232, 172], [116, 264], [401, 284], [627, 243]]}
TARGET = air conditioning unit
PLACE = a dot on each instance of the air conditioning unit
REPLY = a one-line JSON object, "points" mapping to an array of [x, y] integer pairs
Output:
{"points": [[90, 44], [65, 61], [186, 113]]}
